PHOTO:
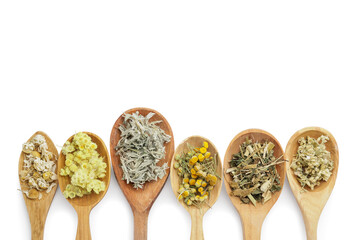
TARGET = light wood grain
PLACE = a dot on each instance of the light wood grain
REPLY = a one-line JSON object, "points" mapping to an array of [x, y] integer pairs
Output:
{"points": [[312, 202], [197, 213], [252, 216], [141, 200], [38, 209], [84, 205]]}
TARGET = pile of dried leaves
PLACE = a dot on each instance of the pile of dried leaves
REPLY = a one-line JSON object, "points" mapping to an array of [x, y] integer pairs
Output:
{"points": [[254, 174]]}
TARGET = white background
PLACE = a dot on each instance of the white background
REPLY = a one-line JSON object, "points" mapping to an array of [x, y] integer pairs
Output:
{"points": [[212, 68]]}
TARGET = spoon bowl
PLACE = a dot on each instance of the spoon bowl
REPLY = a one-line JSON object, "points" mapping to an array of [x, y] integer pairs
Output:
{"points": [[312, 202], [38, 208], [141, 200], [252, 216], [84, 205], [197, 213]]}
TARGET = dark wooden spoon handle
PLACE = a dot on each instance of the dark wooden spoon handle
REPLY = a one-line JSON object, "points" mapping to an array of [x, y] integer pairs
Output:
{"points": [[140, 226]]}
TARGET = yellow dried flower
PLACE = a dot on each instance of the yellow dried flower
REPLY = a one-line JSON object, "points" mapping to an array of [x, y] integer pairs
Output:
{"points": [[46, 176], [203, 150]]}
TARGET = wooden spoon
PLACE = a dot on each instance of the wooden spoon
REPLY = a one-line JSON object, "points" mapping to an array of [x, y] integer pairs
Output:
{"points": [[141, 200], [312, 202], [197, 213], [38, 208], [84, 205], [252, 216]]}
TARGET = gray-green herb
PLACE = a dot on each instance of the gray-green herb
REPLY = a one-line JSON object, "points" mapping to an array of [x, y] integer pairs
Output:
{"points": [[141, 147]]}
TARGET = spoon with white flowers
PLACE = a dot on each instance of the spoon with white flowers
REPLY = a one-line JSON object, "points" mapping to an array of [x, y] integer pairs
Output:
{"points": [[196, 179], [37, 175], [308, 148], [84, 176]]}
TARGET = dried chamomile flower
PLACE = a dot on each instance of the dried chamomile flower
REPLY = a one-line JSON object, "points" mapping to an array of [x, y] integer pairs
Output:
{"points": [[197, 171], [39, 168], [312, 163], [84, 165], [140, 148]]}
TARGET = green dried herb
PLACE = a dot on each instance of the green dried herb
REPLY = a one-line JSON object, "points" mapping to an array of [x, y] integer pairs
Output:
{"points": [[254, 173]]}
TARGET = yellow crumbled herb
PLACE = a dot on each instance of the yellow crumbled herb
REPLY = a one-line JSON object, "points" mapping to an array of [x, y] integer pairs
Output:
{"points": [[84, 166], [312, 163], [197, 171]]}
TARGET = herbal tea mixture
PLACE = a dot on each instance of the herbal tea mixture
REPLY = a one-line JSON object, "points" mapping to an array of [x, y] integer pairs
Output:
{"points": [[39, 168], [254, 173], [84, 166], [140, 148], [197, 171], [313, 163]]}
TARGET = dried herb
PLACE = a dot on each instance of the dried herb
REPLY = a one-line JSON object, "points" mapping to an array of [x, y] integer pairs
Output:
{"points": [[140, 148], [38, 172], [84, 165], [197, 171], [254, 173], [312, 163]]}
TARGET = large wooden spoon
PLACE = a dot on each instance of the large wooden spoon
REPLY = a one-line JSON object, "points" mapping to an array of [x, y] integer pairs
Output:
{"points": [[141, 200], [252, 216], [84, 205], [38, 208], [197, 213], [311, 202]]}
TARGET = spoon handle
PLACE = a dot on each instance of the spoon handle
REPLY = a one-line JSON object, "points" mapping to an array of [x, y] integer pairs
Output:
{"points": [[37, 227], [252, 228], [37, 214], [311, 225], [197, 226], [140, 224], [83, 225]]}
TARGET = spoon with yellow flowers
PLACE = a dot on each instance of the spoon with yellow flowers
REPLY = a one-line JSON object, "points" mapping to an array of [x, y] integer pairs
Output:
{"points": [[84, 176], [254, 172], [313, 166], [38, 180], [196, 179]]}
